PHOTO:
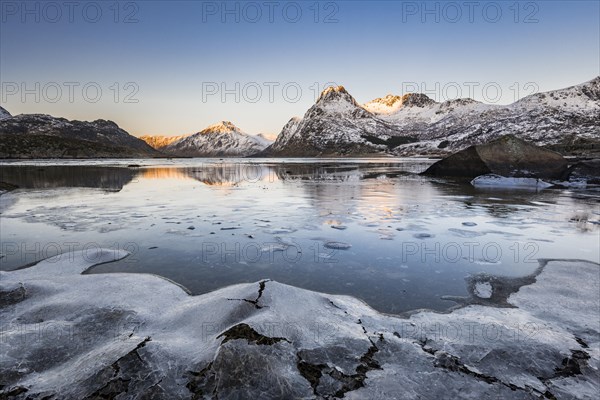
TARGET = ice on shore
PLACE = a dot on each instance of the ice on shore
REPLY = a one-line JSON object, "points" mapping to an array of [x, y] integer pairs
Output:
{"points": [[125, 336], [497, 181]]}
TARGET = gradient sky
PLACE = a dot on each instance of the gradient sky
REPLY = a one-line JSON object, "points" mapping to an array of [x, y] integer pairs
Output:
{"points": [[174, 51]]}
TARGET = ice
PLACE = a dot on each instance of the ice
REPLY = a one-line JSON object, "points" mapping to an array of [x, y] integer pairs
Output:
{"points": [[575, 184], [273, 247], [279, 231], [465, 233], [125, 335], [492, 180], [483, 290], [482, 261], [268, 340]]}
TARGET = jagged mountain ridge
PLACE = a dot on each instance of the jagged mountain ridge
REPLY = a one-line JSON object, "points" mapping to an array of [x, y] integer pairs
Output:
{"points": [[45, 136], [218, 140], [335, 125], [414, 124]]}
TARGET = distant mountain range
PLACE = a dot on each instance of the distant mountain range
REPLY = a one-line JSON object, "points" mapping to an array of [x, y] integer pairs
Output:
{"points": [[566, 120], [223, 139]]}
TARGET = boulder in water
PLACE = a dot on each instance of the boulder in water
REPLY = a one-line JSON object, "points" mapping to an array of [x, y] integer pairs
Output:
{"points": [[506, 156]]}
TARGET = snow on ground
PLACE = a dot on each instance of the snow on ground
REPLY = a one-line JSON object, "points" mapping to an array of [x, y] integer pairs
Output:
{"points": [[72, 335]]}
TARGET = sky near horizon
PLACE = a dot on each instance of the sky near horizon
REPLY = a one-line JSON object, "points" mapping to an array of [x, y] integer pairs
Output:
{"points": [[172, 68]]}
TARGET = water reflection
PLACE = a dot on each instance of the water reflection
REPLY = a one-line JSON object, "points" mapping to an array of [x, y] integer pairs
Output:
{"points": [[209, 224], [212, 174], [49, 177]]}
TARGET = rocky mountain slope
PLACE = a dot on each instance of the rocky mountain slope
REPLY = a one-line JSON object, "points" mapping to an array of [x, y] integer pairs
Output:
{"points": [[565, 120], [223, 139], [45, 136]]}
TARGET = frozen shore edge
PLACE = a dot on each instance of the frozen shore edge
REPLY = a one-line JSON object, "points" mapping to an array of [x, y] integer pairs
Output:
{"points": [[126, 336]]}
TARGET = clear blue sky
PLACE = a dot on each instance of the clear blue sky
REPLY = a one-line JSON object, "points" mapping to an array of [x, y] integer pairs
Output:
{"points": [[177, 54]]}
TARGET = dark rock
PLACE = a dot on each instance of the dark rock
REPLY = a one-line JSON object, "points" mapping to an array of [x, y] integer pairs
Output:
{"points": [[443, 144], [12, 296], [7, 187], [416, 100], [588, 170], [506, 156], [244, 331]]}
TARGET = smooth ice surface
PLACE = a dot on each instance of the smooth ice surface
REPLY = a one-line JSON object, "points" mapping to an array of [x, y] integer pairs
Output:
{"points": [[140, 336]]}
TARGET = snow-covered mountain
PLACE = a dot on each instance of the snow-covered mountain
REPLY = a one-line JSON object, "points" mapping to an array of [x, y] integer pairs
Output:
{"points": [[4, 114], [158, 142], [335, 125], [45, 136], [566, 120], [223, 139]]}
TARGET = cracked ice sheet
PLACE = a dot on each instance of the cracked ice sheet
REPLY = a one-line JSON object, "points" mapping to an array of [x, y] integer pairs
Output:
{"points": [[105, 318], [520, 345]]}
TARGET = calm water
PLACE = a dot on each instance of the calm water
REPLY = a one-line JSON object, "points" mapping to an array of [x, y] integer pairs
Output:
{"points": [[372, 229]]}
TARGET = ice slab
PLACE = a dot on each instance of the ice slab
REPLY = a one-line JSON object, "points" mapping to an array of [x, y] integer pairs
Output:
{"points": [[71, 335], [497, 181]]}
